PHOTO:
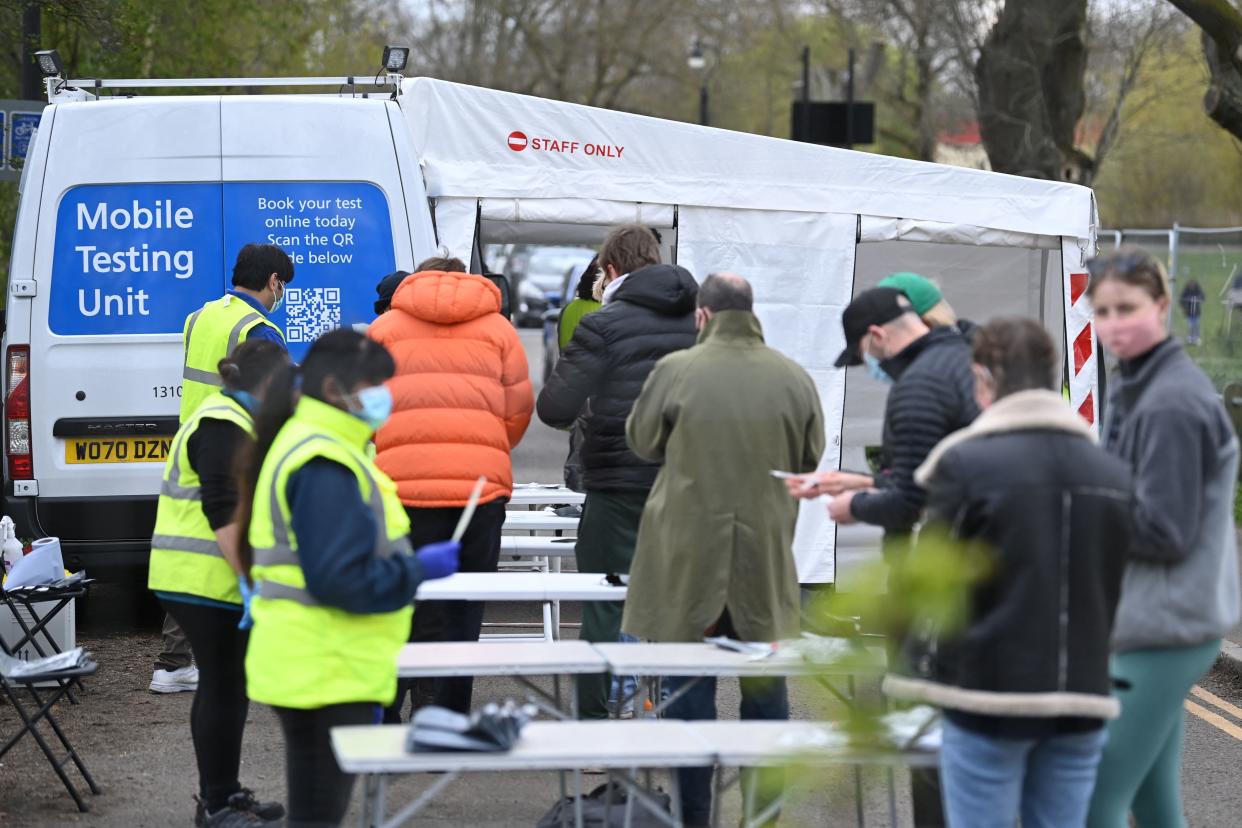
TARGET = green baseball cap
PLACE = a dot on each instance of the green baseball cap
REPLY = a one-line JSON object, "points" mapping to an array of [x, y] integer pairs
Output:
{"points": [[921, 291]]}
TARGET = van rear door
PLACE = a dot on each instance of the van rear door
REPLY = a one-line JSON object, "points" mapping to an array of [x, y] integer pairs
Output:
{"points": [[318, 176], [128, 245]]}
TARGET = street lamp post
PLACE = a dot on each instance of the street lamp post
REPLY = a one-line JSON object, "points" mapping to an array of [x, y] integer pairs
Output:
{"points": [[697, 61]]}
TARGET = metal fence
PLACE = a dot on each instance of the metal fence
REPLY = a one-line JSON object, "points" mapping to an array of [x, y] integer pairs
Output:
{"points": [[1205, 274]]}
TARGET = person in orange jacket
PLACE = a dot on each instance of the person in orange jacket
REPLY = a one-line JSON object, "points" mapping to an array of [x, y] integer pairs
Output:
{"points": [[462, 400]]}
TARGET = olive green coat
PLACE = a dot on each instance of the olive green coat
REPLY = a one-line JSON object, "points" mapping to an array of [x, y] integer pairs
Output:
{"points": [[717, 530]]}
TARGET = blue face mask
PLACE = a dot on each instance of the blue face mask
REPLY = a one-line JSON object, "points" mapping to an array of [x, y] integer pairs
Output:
{"points": [[375, 405], [873, 368], [280, 300]]}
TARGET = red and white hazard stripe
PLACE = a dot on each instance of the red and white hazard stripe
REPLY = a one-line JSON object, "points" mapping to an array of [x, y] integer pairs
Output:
{"points": [[1080, 335]]}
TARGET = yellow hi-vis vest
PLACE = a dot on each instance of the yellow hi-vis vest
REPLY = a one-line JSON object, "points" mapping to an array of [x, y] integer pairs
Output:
{"points": [[210, 334], [184, 554], [303, 654]]}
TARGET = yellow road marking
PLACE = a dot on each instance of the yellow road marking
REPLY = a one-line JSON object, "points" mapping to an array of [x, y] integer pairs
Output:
{"points": [[1215, 719], [1236, 712]]}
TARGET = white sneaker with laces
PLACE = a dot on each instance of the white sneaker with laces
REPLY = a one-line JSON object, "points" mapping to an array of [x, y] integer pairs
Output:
{"points": [[183, 680]]}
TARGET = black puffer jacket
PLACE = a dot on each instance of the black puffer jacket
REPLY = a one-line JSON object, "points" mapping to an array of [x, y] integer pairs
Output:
{"points": [[606, 363], [1055, 513], [933, 395]]}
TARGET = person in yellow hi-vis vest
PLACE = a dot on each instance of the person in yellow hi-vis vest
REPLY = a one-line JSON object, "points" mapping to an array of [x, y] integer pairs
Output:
{"points": [[209, 335], [195, 572], [334, 576], [214, 330]]}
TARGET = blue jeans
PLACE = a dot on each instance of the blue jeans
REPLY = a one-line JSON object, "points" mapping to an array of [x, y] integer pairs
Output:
{"points": [[762, 698], [990, 781], [623, 687]]}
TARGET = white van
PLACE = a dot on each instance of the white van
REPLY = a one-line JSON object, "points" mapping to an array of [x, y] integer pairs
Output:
{"points": [[133, 209], [131, 215]]}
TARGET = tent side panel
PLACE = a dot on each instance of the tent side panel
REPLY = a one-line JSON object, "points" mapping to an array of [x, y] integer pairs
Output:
{"points": [[801, 266], [455, 221]]}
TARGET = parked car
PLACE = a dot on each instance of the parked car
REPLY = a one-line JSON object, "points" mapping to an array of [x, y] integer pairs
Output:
{"points": [[540, 285]]}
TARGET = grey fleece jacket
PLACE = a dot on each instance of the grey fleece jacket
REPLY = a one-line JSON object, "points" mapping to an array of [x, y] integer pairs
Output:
{"points": [[1181, 586]]}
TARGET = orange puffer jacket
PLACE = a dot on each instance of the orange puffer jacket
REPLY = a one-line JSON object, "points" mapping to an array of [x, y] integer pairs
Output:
{"points": [[462, 397]]}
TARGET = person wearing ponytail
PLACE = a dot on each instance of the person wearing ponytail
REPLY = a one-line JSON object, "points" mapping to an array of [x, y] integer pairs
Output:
{"points": [[326, 540], [197, 575], [1180, 593]]}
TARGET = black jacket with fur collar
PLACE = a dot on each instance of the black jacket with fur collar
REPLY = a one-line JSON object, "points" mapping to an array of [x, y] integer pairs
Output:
{"points": [[1055, 513]]}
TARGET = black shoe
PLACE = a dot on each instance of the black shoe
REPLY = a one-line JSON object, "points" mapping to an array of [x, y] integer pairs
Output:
{"points": [[228, 817], [244, 800]]}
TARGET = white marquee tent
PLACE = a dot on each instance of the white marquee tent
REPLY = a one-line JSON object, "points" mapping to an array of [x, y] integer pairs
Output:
{"points": [[809, 226]]}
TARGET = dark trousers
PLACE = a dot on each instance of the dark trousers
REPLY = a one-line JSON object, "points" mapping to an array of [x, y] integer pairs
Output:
{"points": [[607, 533], [450, 620], [762, 698], [318, 791], [176, 652], [218, 713]]}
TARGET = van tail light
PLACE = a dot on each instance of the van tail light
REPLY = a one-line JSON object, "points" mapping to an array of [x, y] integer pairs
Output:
{"points": [[17, 414]]}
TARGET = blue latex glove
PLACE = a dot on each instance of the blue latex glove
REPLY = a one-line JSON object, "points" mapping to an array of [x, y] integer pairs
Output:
{"points": [[247, 593], [438, 560]]}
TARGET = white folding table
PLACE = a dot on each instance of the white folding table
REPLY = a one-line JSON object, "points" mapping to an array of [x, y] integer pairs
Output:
{"points": [[524, 522], [748, 744], [517, 660], [836, 658], [549, 588], [529, 546], [621, 747], [378, 751], [698, 660], [544, 494], [522, 526], [521, 586]]}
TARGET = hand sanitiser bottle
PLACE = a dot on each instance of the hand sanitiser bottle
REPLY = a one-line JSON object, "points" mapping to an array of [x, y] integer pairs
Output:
{"points": [[11, 546]]}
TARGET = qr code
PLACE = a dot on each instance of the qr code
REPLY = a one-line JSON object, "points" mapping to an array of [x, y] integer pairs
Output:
{"points": [[311, 312]]}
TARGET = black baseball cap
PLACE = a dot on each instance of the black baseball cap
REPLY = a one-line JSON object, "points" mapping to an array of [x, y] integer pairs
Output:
{"points": [[877, 306]]}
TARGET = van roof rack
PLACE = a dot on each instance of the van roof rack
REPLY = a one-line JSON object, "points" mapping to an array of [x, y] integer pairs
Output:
{"points": [[392, 81]]}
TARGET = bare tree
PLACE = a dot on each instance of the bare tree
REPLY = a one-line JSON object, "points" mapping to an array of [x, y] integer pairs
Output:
{"points": [[1221, 23], [934, 47], [1030, 79], [1123, 43], [587, 51]]}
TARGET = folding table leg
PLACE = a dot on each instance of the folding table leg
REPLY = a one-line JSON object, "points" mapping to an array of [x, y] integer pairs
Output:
{"points": [[564, 796], [44, 711], [674, 787], [555, 566], [381, 795], [549, 632], [578, 821], [73, 753], [365, 820]]}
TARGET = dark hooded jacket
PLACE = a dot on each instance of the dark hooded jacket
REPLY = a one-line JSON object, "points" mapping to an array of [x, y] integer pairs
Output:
{"points": [[1053, 512], [606, 363]]}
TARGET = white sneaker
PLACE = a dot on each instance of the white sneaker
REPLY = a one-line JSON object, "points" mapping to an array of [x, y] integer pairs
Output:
{"points": [[184, 680]]}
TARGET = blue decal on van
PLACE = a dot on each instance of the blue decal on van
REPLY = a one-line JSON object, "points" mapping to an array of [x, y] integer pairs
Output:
{"points": [[134, 258], [139, 258], [339, 235]]}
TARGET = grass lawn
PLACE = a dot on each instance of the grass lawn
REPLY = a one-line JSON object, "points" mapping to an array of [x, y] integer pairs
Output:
{"points": [[1220, 355]]}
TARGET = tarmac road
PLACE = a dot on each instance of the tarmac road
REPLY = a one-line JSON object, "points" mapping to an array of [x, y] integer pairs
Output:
{"points": [[137, 744]]}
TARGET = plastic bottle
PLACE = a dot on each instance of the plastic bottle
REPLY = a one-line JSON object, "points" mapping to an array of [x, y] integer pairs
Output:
{"points": [[11, 546]]}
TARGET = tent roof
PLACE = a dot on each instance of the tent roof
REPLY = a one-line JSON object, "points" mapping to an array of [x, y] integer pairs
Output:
{"points": [[476, 142]]}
